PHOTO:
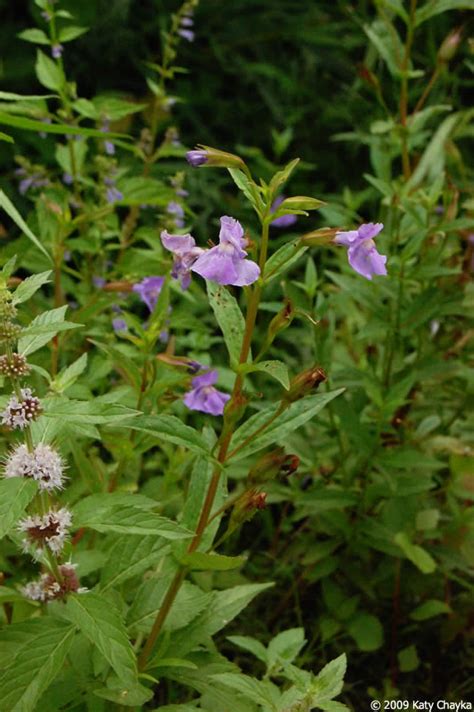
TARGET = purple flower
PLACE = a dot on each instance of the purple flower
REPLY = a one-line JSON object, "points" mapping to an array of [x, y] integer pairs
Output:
{"points": [[149, 290], [204, 397], [362, 253], [283, 220], [30, 180], [186, 22], [56, 51], [226, 263], [185, 254], [113, 195], [119, 325], [99, 282], [197, 157], [174, 208], [187, 35], [68, 179]]}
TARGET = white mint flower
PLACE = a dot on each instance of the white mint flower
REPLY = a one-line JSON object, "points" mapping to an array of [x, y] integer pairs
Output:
{"points": [[19, 413], [43, 464], [49, 530], [48, 589]]}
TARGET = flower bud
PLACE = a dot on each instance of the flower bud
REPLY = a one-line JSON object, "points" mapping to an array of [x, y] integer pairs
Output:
{"points": [[14, 366], [450, 45], [212, 157], [304, 383], [9, 331], [323, 236], [281, 321], [246, 507], [271, 465]]}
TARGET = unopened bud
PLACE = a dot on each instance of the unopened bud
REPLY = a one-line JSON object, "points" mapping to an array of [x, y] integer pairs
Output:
{"points": [[304, 383], [13, 366], [271, 465], [9, 331], [246, 507], [281, 321], [323, 236], [450, 46], [213, 157]]}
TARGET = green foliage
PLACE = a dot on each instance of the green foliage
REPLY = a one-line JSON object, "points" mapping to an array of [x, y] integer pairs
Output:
{"points": [[355, 501]]}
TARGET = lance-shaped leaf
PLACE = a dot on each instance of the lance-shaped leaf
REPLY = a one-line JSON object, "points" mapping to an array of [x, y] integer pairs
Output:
{"points": [[280, 425], [29, 286], [100, 621], [38, 649], [171, 429], [13, 213], [15, 495], [43, 328], [229, 317]]}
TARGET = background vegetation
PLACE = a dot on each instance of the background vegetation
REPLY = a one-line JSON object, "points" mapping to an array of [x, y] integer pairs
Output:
{"points": [[370, 543]]}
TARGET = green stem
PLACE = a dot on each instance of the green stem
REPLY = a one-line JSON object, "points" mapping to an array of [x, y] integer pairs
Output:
{"points": [[404, 89], [223, 444]]}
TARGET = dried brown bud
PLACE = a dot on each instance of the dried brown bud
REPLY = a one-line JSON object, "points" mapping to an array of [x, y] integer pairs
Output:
{"points": [[271, 465], [304, 383], [281, 321]]}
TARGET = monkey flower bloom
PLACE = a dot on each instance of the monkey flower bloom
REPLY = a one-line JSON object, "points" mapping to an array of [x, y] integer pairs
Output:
{"points": [[185, 254], [149, 290], [197, 157], [204, 397], [362, 253], [226, 263]]}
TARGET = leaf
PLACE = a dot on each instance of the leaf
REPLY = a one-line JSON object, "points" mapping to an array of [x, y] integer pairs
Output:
{"points": [[189, 603], [251, 645], [283, 259], [429, 609], [418, 556], [388, 44], [13, 213], [29, 286], [100, 621], [276, 369], [329, 682], [130, 520], [21, 122], [10, 96], [408, 659], [48, 72], [244, 184], [128, 696], [285, 646], [252, 689], [69, 376], [282, 176], [130, 556], [66, 34], [42, 329], [366, 631], [15, 495], [432, 161], [436, 7], [225, 606], [200, 561], [289, 420], [6, 137], [34, 35], [170, 429], [91, 412], [38, 654], [229, 317]]}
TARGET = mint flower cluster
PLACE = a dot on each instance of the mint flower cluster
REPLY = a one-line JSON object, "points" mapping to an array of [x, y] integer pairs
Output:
{"points": [[45, 529]]}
